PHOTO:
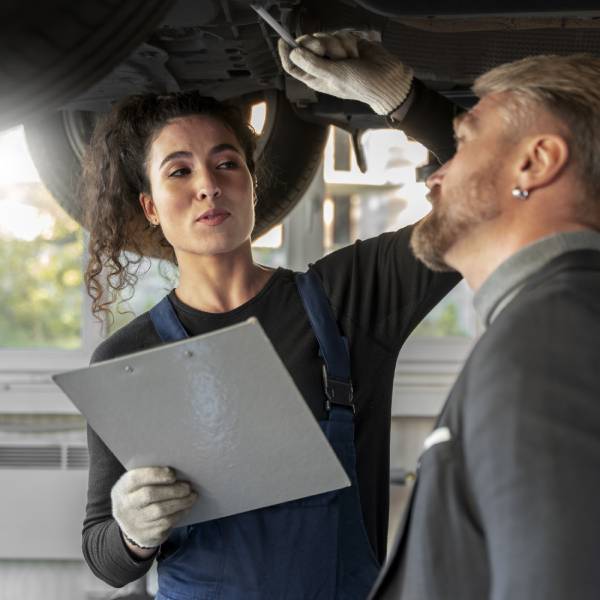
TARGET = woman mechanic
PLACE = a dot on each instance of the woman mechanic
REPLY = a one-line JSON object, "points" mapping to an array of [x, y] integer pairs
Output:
{"points": [[186, 162]]}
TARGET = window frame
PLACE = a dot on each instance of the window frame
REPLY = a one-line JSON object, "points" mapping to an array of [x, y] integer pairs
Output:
{"points": [[427, 368]]}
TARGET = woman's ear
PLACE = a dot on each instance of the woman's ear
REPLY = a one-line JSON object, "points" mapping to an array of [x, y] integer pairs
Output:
{"points": [[544, 159], [149, 208]]}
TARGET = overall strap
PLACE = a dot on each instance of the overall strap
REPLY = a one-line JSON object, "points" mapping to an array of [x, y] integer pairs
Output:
{"points": [[333, 346], [165, 321]]}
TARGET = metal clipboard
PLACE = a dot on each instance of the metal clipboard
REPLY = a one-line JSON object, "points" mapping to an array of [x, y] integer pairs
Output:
{"points": [[221, 409]]}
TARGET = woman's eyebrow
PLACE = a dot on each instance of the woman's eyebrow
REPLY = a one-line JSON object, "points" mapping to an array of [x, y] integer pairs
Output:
{"points": [[223, 147], [173, 155]]}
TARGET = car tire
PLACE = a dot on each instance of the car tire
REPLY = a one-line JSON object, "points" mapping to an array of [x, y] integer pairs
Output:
{"points": [[50, 52], [289, 153]]}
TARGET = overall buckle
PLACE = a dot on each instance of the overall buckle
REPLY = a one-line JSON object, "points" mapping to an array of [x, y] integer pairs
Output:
{"points": [[338, 392]]}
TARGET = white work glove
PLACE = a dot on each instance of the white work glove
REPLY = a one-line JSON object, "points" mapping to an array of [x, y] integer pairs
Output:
{"points": [[148, 502], [346, 65]]}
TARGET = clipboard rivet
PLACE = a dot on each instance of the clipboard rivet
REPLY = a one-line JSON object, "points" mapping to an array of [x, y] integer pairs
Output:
{"points": [[128, 369], [189, 353]]}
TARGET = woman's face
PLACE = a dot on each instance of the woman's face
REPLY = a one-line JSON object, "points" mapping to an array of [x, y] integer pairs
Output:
{"points": [[201, 189]]}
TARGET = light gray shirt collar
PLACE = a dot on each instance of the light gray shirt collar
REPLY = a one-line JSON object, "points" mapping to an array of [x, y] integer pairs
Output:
{"points": [[509, 278]]}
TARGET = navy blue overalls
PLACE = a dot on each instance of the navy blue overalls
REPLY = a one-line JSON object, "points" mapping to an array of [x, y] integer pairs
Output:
{"points": [[315, 548]]}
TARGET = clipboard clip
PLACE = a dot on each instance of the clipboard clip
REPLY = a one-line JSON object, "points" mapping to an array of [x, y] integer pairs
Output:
{"points": [[338, 392]]}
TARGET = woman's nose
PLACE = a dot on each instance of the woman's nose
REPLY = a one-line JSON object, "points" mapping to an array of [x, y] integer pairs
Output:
{"points": [[207, 186]]}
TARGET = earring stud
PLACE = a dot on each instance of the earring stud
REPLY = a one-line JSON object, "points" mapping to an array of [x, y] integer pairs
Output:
{"points": [[517, 192]]}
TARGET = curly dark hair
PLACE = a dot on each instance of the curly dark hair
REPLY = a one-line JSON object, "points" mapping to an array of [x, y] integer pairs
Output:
{"points": [[115, 173]]}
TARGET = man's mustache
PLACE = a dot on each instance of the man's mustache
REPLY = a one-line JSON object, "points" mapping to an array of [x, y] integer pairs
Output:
{"points": [[433, 196]]}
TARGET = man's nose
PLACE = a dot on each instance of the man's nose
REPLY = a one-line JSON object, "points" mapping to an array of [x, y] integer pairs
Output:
{"points": [[207, 185], [436, 177]]}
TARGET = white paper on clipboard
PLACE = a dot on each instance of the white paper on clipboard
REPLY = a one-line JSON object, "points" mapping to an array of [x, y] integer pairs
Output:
{"points": [[221, 409]]}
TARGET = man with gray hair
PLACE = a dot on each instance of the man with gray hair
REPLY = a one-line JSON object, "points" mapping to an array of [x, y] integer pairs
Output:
{"points": [[506, 505]]}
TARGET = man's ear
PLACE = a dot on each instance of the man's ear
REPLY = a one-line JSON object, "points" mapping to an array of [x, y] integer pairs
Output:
{"points": [[149, 208], [544, 159]]}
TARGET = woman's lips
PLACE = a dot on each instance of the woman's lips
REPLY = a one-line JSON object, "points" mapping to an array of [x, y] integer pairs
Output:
{"points": [[213, 217]]}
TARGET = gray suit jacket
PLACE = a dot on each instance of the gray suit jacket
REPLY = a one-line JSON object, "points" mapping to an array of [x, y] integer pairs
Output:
{"points": [[509, 507]]}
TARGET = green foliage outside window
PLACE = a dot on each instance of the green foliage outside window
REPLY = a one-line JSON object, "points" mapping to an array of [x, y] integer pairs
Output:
{"points": [[445, 323], [452, 317], [40, 277]]}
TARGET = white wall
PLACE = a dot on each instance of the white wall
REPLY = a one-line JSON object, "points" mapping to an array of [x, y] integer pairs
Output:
{"points": [[41, 514]]}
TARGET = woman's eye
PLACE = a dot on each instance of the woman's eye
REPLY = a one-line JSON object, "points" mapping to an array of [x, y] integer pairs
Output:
{"points": [[180, 172], [227, 164]]}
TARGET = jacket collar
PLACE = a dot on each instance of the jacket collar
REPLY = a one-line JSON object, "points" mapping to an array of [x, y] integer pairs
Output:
{"points": [[508, 279]]}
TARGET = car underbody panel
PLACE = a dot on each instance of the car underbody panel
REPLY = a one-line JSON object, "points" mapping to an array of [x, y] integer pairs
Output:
{"points": [[223, 49]]}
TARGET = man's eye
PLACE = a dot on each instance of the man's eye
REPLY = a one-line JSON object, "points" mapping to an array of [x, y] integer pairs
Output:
{"points": [[180, 172]]}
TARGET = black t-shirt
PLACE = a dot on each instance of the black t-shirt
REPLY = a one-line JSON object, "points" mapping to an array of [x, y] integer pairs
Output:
{"points": [[378, 291]]}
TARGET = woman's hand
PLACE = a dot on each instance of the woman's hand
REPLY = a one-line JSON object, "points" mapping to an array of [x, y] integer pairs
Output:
{"points": [[147, 503], [347, 65]]}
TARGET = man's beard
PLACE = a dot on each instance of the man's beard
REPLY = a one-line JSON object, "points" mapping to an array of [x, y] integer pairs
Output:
{"points": [[454, 217]]}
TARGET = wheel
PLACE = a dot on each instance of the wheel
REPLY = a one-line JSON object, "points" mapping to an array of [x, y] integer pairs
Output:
{"points": [[288, 155], [50, 52]]}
